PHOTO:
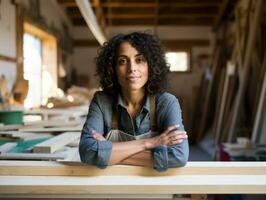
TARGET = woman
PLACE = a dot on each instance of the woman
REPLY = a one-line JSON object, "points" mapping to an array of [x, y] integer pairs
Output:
{"points": [[133, 121]]}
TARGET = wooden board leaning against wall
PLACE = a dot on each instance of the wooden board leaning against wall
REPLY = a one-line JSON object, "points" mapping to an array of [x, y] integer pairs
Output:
{"points": [[241, 87]]}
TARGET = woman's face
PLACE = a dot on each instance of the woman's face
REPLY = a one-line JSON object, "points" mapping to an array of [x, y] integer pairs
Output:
{"points": [[131, 68]]}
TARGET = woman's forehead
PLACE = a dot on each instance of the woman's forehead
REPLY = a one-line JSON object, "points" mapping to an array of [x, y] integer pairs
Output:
{"points": [[125, 48]]}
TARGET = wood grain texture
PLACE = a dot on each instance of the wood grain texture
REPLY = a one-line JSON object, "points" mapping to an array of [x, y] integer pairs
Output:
{"points": [[56, 142], [183, 184], [43, 168], [32, 178]]}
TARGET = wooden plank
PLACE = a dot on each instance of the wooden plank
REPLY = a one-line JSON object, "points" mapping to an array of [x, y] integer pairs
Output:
{"points": [[72, 156], [56, 111], [68, 168], [206, 104], [56, 143], [10, 127], [174, 44], [50, 130], [89, 16], [221, 87], [162, 16], [220, 15], [244, 73], [31, 156], [100, 14], [161, 4], [53, 123], [260, 111], [197, 184], [19, 42], [127, 22], [230, 70], [8, 58], [6, 147]]}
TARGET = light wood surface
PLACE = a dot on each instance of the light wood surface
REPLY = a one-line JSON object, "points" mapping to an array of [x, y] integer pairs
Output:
{"points": [[7, 146], [50, 130], [56, 142], [39, 178], [45, 168], [31, 156], [182, 184]]}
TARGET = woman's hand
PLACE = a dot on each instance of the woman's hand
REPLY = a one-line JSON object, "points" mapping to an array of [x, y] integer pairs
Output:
{"points": [[97, 136], [171, 136]]}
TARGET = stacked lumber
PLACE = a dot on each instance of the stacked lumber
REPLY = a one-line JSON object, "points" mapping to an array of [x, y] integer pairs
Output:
{"points": [[36, 146], [233, 102], [55, 137]]}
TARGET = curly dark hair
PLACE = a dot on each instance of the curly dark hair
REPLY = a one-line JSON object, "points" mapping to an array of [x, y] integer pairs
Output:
{"points": [[146, 44]]}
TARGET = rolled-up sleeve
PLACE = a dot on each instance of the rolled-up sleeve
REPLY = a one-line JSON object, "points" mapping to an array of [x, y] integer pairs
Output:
{"points": [[160, 158], [177, 155], [91, 151]]}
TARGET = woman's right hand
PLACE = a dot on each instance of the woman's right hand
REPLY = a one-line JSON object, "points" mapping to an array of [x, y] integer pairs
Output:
{"points": [[171, 136]]}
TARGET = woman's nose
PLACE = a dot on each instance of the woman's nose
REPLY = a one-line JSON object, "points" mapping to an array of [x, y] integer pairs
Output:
{"points": [[132, 66]]}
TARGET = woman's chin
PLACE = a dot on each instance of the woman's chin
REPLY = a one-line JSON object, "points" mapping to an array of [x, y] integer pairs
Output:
{"points": [[133, 88]]}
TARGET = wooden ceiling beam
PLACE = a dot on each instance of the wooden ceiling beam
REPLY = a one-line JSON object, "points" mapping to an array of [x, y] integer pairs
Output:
{"points": [[169, 44], [150, 22], [72, 3], [99, 13], [129, 5], [154, 5], [221, 13], [152, 16], [202, 3], [67, 3]]}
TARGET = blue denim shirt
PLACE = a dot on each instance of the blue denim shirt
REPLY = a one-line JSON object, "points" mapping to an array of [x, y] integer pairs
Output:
{"points": [[99, 118]]}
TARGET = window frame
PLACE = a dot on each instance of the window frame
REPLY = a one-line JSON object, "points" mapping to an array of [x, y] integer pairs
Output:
{"points": [[49, 47], [189, 60]]}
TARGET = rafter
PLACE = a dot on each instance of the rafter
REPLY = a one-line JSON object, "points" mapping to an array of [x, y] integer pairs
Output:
{"points": [[99, 13], [144, 13], [152, 16], [221, 13], [154, 5]]}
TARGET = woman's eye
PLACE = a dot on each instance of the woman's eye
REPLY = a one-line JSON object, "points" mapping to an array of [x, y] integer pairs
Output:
{"points": [[122, 61], [140, 60]]}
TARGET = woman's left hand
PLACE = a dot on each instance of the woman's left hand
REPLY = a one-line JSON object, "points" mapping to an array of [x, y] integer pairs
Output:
{"points": [[97, 136]]}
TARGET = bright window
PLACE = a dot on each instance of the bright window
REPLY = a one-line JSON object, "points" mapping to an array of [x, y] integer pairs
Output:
{"points": [[32, 48], [40, 65], [179, 61]]}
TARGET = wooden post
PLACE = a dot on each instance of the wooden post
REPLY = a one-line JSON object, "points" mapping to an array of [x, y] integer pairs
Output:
{"points": [[244, 73], [206, 104], [230, 70], [260, 111]]}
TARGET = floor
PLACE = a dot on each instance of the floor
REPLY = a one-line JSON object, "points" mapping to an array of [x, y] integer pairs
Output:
{"points": [[196, 153]]}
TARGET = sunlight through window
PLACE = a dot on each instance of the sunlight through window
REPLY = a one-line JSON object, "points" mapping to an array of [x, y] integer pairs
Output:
{"points": [[178, 61]]}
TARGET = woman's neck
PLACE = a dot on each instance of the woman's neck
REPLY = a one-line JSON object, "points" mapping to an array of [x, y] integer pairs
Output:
{"points": [[133, 99]]}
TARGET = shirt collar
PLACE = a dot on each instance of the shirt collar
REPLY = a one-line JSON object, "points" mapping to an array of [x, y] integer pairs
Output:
{"points": [[146, 105]]}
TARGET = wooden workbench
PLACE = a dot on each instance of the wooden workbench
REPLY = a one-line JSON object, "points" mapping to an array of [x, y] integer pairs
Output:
{"points": [[42, 178]]}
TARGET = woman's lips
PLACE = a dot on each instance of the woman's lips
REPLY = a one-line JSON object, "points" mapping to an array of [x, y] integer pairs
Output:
{"points": [[133, 78]]}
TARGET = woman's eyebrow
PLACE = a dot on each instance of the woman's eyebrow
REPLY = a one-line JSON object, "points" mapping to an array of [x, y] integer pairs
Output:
{"points": [[137, 55], [122, 56]]}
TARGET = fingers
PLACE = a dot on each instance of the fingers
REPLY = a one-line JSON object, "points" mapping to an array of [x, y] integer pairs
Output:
{"points": [[97, 136], [177, 134], [171, 128], [177, 137]]}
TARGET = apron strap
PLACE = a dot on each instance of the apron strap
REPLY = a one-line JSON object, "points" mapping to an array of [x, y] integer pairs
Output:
{"points": [[153, 123], [114, 119]]}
